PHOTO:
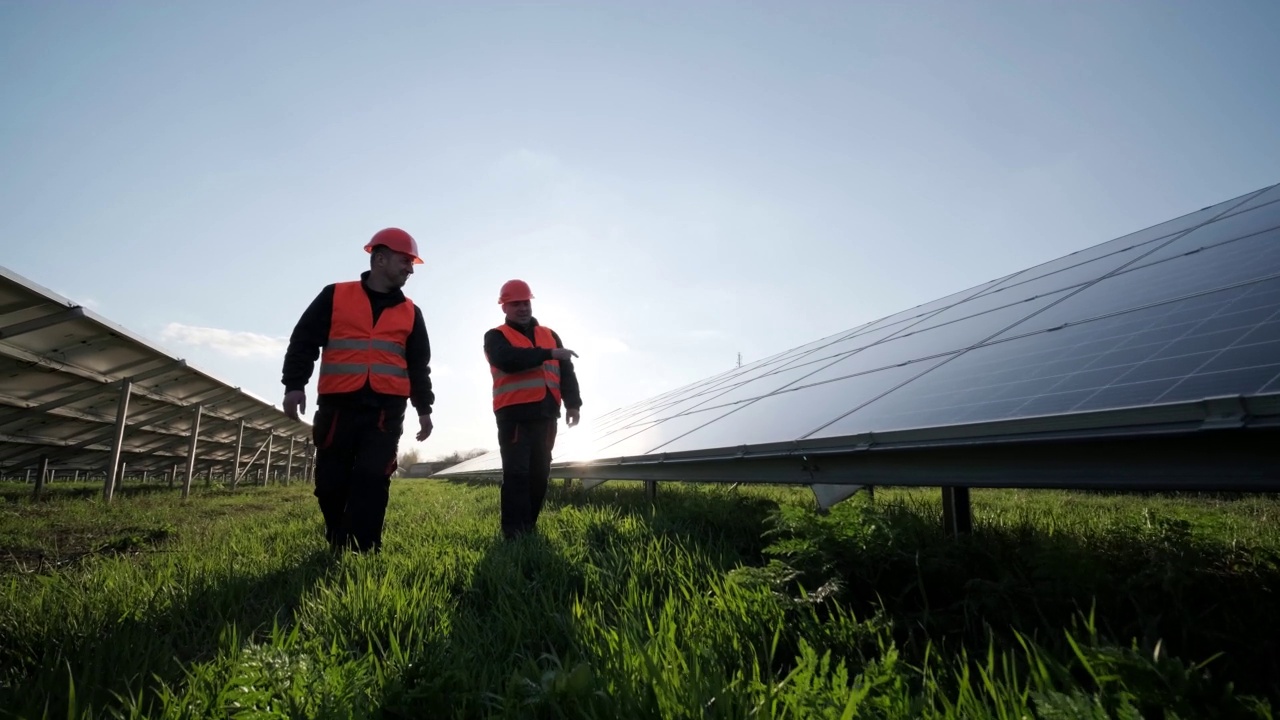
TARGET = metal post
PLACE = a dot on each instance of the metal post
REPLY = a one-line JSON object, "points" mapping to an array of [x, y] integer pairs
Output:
{"points": [[235, 473], [288, 467], [124, 467], [191, 451], [266, 466], [117, 439], [173, 475], [44, 469], [77, 477], [957, 517], [651, 490]]}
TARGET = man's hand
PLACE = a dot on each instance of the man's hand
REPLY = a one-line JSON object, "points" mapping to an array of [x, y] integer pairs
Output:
{"points": [[571, 417], [425, 422], [563, 354], [293, 401]]}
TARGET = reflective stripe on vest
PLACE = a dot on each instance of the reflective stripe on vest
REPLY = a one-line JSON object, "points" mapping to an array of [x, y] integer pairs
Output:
{"points": [[527, 386], [358, 351]]}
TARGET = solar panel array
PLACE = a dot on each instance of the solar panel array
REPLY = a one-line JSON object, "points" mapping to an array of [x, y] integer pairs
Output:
{"points": [[61, 369], [1180, 312]]}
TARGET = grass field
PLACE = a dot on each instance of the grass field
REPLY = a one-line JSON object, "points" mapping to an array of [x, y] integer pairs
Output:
{"points": [[716, 603]]}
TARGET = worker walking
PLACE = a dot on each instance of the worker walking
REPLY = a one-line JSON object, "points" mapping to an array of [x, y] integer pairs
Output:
{"points": [[376, 357], [532, 377]]}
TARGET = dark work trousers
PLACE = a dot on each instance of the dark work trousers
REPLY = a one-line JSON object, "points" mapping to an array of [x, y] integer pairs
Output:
{"points": [[355, 456], [526, 463]]}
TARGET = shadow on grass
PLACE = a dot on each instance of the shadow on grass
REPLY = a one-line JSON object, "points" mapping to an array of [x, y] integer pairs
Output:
{"points": [[1162, 588], [1161, 584], [511, 623], [125, 650], [697, 518]]}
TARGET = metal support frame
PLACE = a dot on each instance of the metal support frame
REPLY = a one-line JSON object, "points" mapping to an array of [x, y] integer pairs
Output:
{"points": [[235, 466], [41, 323], [288, 468], [191, 450], [266, 465], [1240, 460], [16, 414], [827, 496], [117, 439], [957, 514], [651, 490], [97, 437], [1195, 458], [44, 471], [245, 470], [171, 439]]}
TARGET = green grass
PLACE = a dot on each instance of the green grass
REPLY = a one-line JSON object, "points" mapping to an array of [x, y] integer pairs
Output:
{"points": [[716, 603]]}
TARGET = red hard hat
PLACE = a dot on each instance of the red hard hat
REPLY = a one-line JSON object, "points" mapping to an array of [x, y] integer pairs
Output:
{"points": [[514, 290], [397, 240]]}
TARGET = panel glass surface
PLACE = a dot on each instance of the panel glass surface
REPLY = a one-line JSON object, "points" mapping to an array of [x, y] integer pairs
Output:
{"points": [[760, 380], [642, 440], [707, 393], [902, 318], [1223, 231], [1217, 343], [489, 461], [1136, 240], [1270, 195], [642, 411], [1244, 260], [789, 415], [698, 395], [1168, 327], [931, 343], [1061, 279], [887, 354]]}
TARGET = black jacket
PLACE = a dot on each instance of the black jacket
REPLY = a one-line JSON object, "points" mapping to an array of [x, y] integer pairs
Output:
{"points": [[312, 333], [510, 359]]}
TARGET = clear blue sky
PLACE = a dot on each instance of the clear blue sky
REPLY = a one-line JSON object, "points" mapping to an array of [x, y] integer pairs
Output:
{"points": [[679, 182]]}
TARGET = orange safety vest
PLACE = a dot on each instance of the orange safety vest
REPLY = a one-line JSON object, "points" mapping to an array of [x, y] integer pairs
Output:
{"points": [[529, 385], [358, 350]]}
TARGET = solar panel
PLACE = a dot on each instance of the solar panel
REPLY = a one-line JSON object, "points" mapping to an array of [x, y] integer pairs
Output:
{"points": [[1182, 312], [62, 368]]}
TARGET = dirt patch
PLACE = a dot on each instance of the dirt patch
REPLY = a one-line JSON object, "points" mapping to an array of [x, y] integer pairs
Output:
{"points": [[68, 549]]}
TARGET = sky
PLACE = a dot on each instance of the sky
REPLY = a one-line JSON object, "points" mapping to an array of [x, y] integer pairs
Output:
{"points": [[678, 182]]}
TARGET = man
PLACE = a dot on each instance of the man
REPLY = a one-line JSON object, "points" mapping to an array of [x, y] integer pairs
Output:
{"points": [[532, 376], [376, 357]]}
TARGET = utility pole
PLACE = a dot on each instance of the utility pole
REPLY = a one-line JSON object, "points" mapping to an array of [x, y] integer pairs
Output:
{"points": [[739, 359]]}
